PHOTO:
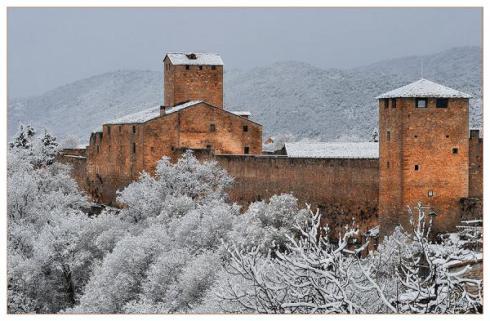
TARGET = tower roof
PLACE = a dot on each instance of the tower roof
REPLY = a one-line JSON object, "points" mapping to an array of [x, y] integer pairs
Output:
{"points": [[424, 88], [194, 58]]}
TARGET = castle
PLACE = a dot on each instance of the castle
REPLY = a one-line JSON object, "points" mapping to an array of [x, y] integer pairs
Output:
{"points": [[426, 152]]}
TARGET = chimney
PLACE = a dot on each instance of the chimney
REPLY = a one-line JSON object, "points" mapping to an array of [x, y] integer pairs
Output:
{"points": [[162, 110]]}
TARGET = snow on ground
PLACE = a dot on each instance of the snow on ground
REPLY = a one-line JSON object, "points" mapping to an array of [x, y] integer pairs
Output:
{"points": [[424, 88], [332, 150]]}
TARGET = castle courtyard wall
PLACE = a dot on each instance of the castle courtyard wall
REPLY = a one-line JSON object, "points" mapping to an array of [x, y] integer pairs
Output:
{"points": [[342, 189]]}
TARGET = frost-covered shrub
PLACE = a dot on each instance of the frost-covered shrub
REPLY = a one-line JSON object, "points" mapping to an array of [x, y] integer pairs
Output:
{"points": [[268, 224]]}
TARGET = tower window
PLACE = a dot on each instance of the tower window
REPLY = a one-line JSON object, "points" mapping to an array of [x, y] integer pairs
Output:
{"points": [[388, 164], [187, 67], [393, 102], [386, 102], [120, 128], [200, 67], [108, 130], [134, 129], [441, 103], [430, 193], [97, 149], [421, 102], [417, 167], [245, 128], [246, 150], [388, 135], [213, 67], [134, 148], [455, 150], [212, 127], [208, 146]]}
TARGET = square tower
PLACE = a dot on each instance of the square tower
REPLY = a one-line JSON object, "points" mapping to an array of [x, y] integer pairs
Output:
{"points": [[423, 153], [193, 76]]}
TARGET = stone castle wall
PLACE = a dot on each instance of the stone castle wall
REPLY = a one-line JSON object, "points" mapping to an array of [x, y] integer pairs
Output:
{"points": [[118, 154], [476, 165], [342, 189], [183, 83], [423, 151]]}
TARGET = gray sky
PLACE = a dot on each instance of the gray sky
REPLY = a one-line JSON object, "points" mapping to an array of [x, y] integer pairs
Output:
{"points": [[50, 47]]}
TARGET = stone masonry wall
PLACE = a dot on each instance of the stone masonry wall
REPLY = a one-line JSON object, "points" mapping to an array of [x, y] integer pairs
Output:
{"points": [[476, 165], [428, 152], [119, 153], [342, 189], [183, 83]]}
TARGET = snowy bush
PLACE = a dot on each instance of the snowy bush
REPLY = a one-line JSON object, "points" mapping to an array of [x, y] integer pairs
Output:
{"points": [[409, 274]]}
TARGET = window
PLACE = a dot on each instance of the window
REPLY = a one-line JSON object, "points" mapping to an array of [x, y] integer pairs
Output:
{"points": [[213, 67], [245, 128], [208, 146], [134, 129], [421, 102], [187, 67], [441, 102], [417, 167], [455, 150], [430, 193], [447, 136], [200, 67], [246, 150], [120, 127], [134, 148], [108, 130], [212, 127], [393, 102], [388, 164], [97, 149], [386, 102], [388, 135]]}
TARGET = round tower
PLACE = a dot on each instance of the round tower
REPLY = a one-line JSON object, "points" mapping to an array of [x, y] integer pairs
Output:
{"points": [[423, 153]]}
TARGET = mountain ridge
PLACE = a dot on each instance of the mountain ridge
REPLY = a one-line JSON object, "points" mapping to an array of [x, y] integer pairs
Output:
{"points": [[285, 97]]}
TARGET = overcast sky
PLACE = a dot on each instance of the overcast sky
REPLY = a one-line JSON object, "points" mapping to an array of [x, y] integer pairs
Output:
{"points": [[51, 47]]}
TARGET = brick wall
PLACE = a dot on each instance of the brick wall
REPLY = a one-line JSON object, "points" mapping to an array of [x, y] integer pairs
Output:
{"points": [[119, 153], [423, 137], [342, 188], [183, 83], [475, 165]]}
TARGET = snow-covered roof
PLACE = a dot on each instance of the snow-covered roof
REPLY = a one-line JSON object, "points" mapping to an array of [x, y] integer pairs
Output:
{"points": [[333, 150], [195, 58], [241, 113], [150, 113], [424, 88]]}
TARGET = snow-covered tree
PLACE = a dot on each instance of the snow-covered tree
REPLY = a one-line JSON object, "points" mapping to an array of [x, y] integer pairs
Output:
{"points": [[408, 274], [374, 135], [47, 258]]}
